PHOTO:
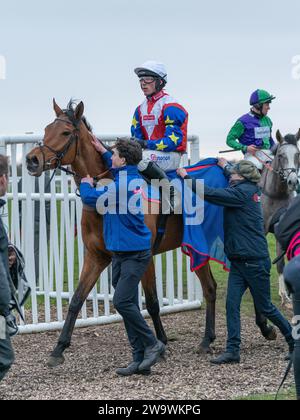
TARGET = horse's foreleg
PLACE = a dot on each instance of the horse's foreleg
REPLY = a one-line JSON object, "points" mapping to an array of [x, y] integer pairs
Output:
{"points": [[268, 331], [152, 303], [92, 268], [209, 287]]}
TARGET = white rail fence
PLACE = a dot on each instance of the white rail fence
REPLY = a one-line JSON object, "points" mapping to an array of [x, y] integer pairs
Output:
{"points": [[54, 260]]}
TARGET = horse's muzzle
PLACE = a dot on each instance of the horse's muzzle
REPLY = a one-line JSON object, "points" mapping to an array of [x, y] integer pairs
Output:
{"points": [[293, 181], [33, 165]]}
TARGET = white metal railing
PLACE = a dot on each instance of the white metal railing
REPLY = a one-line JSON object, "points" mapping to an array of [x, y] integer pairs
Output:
{"points": [[60, 254]]}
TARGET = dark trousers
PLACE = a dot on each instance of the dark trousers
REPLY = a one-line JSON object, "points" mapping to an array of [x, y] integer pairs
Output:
{"points": [[292, 279], [6, 356], [255, 275], [127, 270], [296, 360]]}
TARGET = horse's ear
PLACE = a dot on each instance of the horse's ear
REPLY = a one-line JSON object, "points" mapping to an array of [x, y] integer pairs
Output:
{"points": [[298, 135], [79, 111], [58, 111], [279, 136]]}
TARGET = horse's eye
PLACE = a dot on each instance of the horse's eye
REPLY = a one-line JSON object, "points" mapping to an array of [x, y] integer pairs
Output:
{"points": [[66, 133]]}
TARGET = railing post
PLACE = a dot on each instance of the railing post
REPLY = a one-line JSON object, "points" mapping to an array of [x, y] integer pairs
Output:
{"points": [[194, 149]]}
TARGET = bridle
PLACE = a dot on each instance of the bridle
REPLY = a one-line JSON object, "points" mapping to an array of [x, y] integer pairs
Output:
{"points": [[60, 154], [283, 173]]}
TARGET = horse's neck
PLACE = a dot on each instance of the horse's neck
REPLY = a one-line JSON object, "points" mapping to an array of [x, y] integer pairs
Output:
{"points": [[87, 161]]}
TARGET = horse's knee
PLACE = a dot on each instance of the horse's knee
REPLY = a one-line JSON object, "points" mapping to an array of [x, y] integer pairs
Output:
{"points": [[209, 292], [209, 288]]}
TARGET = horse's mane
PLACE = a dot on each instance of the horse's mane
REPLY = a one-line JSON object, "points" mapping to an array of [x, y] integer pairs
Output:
{"points": [[291, 139], [70, 112]]}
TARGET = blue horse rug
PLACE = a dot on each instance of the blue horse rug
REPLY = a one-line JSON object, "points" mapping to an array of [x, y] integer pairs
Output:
{"points": [[205, 241], [202, 241]]}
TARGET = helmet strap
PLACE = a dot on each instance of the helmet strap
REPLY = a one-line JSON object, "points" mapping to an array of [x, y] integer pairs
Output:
{"points": [[257, 110], [160, 83]]}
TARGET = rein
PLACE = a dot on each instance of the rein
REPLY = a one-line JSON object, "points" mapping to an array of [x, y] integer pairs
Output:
{"points": [[283, 173]]}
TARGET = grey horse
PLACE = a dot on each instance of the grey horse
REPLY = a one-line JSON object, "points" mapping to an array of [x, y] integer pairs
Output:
{"points": [[279, 184]]}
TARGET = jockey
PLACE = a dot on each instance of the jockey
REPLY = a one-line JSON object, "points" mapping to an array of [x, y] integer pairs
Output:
{"points": [[159, 124], [252, 133]]}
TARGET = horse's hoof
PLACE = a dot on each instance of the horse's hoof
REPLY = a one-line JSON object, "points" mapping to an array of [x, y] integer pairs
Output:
{"points": [[204, 350], [171, 337], [271, 335], [164, 339], [55, 361]]}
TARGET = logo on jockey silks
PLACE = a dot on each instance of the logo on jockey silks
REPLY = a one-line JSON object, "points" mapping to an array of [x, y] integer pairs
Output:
{"points": [[149, 117], [262, 132], [149, 120], [156, 158]]}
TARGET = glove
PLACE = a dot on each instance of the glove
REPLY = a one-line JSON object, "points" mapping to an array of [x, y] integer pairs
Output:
{"points": [[142, 142], [88, 180]]}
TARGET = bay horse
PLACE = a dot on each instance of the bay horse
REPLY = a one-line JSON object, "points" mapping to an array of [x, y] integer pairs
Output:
{"points": [[67, 141], [278, 187]]}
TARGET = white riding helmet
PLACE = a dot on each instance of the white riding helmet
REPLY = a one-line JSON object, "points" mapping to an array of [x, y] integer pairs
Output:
{"points": [[152, 68]]}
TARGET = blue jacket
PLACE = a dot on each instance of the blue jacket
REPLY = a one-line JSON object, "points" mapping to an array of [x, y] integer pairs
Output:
{"points": [[244, 236], [124, 226]]}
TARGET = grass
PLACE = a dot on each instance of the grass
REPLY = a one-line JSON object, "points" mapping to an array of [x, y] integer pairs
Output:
{"points": [[247, 305], [289, 394]]}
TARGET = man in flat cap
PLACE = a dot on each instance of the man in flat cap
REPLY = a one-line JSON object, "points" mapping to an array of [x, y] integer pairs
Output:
{"points": [[247, 249]]}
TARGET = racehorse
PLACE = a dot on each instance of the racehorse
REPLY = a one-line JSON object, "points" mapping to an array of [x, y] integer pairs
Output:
{"points": [[279, 184], [67, 141]]}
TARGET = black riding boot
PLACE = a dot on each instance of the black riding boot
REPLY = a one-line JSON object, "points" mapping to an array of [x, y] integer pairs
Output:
{"points": [[153, 171]]}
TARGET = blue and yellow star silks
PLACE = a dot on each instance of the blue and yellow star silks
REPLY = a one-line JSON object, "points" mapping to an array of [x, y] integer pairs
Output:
{"points": [[174, 138], [168, 121], [161, 146], [169, 130], [134, 122]]}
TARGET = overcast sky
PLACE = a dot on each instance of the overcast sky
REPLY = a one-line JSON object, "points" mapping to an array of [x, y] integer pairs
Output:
{"points": [[216, 54]]}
